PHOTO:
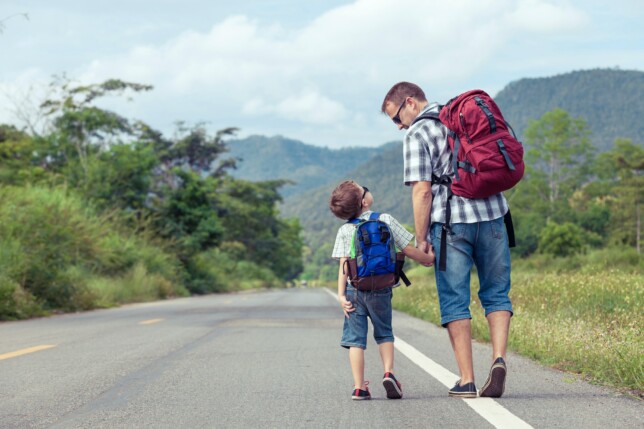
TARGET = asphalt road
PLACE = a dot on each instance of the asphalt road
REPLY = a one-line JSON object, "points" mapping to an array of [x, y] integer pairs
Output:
{"points": [[267, 359]]}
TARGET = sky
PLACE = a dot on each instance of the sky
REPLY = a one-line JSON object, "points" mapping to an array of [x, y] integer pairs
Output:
{"points": [[315, 70]]}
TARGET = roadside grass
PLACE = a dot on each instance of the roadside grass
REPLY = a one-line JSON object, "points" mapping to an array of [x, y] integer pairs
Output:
{"points": [[58, 254], [587, 321]]}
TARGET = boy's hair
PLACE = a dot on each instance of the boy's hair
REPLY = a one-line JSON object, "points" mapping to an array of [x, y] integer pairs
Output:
{"points": [[400, 92], [346, 200]]}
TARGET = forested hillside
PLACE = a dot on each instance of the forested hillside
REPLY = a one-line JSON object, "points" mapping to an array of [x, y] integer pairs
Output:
{"points": [[307, 166], [610, 101]]}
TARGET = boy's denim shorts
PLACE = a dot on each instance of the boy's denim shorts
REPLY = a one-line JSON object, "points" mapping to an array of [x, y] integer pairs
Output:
{"points": [[484, 245], [377, 306]]}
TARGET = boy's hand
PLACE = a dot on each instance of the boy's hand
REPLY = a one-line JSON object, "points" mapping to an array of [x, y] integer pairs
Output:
{"points": [[347, 306], [431, 256], [430, 252]]}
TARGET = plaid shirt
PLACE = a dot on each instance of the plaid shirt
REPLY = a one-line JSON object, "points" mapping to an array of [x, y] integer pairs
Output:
{"points": [[427, 152], [342, 247]]}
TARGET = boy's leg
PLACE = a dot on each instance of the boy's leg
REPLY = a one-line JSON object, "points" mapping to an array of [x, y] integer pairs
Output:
{"points": [[354, 336], [380, 312], [389, 382], [387, 356], [356, 358]]}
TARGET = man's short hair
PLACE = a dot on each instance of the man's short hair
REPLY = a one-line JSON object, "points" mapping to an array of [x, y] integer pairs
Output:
{"points": [[346, 200], [400, 91]]}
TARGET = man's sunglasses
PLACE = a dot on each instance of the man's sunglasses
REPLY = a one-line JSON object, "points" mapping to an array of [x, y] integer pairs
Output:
{"points": [[396, 118]]}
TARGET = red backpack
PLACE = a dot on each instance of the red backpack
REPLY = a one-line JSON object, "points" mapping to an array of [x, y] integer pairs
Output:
{"points": [[486, 157]]}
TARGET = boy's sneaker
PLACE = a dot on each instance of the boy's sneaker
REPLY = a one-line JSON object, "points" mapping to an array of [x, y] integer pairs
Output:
{"points": [[392, 386], [361, 395], [465, 391], [495, 383]]}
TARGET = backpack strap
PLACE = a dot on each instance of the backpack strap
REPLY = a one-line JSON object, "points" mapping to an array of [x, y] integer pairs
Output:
{"points": [[427, 115], [457, 144], [507, 219], [486, 110], [404, 278], [446, 181], [506, 157]]}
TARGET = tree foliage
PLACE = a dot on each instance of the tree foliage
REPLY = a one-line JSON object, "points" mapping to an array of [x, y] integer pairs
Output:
{"points": [[176, 189]]}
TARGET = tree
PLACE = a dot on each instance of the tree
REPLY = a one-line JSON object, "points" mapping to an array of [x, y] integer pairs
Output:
{"points": [[198, 151], [622, 172], [558, 158], [80, 129]]}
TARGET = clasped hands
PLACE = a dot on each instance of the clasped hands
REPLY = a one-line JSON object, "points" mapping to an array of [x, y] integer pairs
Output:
{"points": [[427, 248]]}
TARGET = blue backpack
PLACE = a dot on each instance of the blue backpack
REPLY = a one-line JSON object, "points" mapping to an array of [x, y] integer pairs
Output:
{"points": [[374, 263]]}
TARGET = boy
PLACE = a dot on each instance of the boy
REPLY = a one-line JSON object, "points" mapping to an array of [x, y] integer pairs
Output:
{"points": [[348, 201]]}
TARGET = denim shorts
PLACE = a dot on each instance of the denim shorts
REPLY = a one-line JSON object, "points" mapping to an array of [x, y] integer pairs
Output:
{"points": [[484, 245], [373, 304]]}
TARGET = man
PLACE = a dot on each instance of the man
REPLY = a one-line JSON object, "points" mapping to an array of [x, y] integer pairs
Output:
{"points": [[478, 237]]}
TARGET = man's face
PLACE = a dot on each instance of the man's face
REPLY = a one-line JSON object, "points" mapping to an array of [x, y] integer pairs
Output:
{"points": [[399, 114]]}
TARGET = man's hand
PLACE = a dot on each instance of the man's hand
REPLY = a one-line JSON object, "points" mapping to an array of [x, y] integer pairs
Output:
{"points": [[346, 305], [423, 246]]}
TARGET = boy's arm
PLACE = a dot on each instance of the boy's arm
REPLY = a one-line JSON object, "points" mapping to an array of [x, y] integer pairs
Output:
{"points": [[426, 259], [347, 307]]}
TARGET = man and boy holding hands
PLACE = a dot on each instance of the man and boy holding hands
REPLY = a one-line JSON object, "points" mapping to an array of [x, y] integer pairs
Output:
{"points": [[477, 237]]}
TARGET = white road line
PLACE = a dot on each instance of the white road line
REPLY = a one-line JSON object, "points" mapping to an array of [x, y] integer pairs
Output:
{"points": [[488, 408]]}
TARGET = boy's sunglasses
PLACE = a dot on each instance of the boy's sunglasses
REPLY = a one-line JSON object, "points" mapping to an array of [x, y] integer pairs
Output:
{"points": [[365, 192]]}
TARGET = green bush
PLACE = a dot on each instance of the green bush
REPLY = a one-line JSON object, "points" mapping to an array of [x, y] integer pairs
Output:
{"points": [[216, 271], [561, 239], [15, 302], [54, 246], [136, 285]]}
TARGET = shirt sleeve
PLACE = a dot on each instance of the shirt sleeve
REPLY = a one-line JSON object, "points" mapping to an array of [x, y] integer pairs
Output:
{"points": [[417, 159], [402, 237], [342, 246]]}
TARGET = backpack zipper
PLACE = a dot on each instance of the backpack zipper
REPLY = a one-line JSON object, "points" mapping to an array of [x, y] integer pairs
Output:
{"points": [[462, 119]]}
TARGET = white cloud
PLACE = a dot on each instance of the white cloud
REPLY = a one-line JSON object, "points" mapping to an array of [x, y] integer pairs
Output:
{"points": [[333, 70], [543, 17], [308, 106]]}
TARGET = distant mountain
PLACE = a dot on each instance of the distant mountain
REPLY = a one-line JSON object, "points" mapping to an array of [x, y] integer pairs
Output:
{"points": [[610, 100], [268, 158], [383, 175]]}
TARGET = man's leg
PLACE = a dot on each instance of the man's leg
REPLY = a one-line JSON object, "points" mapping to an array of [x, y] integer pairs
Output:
{"points": [[493, 265], [460, 334], [499, 323], [453, 287]]}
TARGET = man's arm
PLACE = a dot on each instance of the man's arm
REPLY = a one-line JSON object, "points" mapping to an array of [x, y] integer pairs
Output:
{"points": [[421, 196]]}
